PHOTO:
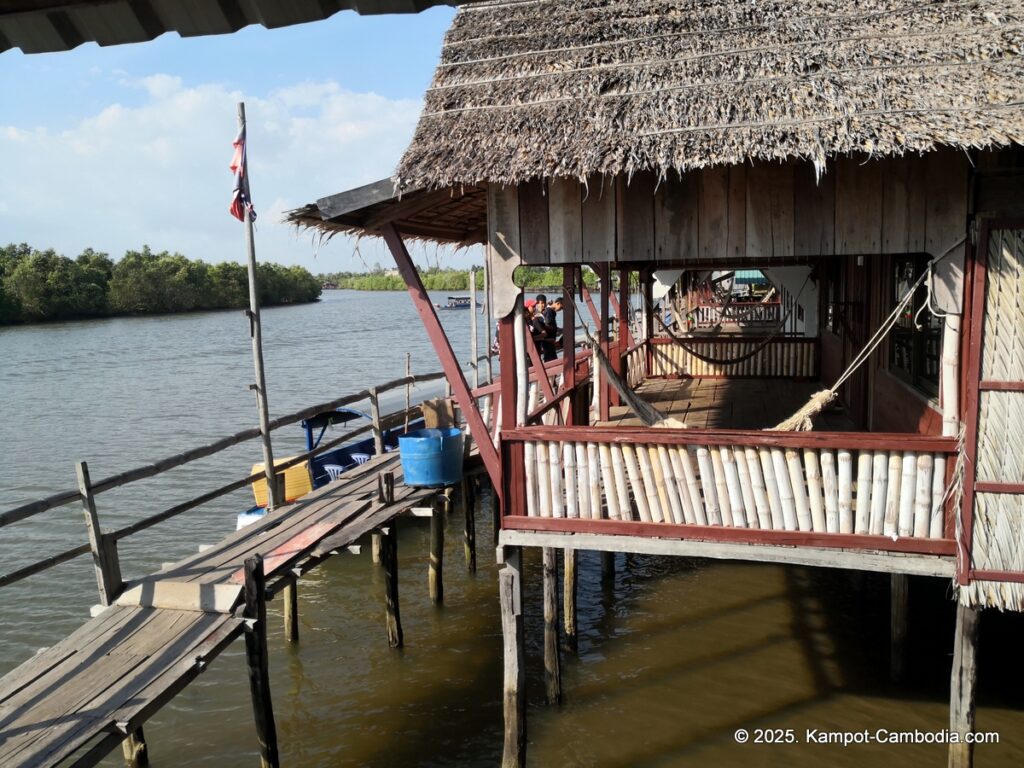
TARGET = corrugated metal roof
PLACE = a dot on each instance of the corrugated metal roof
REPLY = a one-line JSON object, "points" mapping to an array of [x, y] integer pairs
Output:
{"points": [[39, 26]]}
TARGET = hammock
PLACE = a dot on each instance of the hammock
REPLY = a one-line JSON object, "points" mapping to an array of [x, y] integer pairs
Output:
{"points": [[647, 413]]}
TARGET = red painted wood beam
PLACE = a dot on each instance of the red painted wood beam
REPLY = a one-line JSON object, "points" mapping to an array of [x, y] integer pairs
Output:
{"points": [[875, 441], [445, 354], [622, 305], [590, 305], [987, 575], [604, 328], [539, 367]]}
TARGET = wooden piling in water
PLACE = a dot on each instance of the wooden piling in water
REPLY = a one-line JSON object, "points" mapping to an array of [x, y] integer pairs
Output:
{"points": [[552, 671], [435, 570], [962, 683], [291, 611], [257, 662], [569, 580], [375, 545], [136, 753], [469, 531], [389, 561], [898, 585], [510, 586]]}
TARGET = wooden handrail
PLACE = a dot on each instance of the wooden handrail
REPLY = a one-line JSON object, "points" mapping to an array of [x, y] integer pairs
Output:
{"points": [[149, 470]]}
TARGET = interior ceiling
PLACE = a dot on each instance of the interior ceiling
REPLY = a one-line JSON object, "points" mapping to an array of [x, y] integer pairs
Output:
{"points": [[40, 26]]}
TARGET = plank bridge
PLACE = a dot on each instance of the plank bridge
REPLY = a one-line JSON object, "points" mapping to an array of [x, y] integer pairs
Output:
{"points": [[95, 689]]}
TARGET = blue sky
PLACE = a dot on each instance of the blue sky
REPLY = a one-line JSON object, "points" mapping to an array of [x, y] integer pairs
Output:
{"points": [[113, 148]]}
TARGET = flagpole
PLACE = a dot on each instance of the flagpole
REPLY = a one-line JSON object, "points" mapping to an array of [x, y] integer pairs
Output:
{"points": [[255, 331]]}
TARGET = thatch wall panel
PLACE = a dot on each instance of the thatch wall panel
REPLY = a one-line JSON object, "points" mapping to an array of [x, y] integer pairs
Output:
{"points": [[552, 88], [998, 532], [1003, 338], [1001, 438]]}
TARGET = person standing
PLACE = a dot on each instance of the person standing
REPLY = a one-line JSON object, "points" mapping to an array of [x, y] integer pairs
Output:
{"points": [[545, 322]]}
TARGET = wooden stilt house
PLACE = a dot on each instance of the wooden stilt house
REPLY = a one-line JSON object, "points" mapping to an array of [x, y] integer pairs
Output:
{"points": [[866, 159]]}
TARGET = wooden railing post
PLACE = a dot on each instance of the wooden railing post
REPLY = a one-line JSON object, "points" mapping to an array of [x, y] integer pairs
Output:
{"points": [[257, 662], [510, 591], [104, 547], [378, 434], [435, 568]]}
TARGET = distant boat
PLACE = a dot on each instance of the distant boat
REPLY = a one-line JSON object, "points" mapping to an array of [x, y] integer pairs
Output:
{"points": [[457, 302]]}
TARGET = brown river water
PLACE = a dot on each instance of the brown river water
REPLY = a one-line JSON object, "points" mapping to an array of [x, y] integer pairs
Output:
{"points": [[674, 655]]}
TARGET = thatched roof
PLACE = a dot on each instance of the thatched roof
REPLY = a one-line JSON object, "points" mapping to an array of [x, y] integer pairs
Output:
{"points": [[541, 88]]}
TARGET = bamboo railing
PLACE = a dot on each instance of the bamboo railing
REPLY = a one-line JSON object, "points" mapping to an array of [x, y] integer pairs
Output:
{"points": [[742, 313], [865, 484], [782, 357]]}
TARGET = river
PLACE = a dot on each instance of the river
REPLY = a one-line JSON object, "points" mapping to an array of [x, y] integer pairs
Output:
{"points": [[674, 655]]}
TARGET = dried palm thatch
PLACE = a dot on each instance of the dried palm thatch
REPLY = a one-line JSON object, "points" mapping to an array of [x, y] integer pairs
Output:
{"points": [[998, 529], [542, 88]]}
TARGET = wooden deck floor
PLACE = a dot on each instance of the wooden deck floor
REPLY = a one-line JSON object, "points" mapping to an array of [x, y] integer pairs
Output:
{"points": [[730, 403], [80, 697]]}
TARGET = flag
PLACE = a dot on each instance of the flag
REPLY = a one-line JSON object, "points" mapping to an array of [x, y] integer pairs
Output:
{"points": [[240, 196]]}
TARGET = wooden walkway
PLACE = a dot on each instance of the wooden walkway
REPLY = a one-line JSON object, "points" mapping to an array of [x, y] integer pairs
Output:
{"points": [[80, 698]]}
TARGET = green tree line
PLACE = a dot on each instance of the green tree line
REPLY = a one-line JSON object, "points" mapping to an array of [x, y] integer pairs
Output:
{"points": [[43, 285], [447, 279]]}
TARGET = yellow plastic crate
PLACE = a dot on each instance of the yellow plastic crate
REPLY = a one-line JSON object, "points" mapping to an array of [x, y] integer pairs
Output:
{"points": [[296, 481]]}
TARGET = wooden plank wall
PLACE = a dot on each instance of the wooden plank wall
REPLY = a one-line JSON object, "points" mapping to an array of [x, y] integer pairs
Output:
{"points": [[757, 213]]}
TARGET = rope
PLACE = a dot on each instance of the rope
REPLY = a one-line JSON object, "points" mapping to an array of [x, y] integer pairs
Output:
{"points": [[647, 413], [802, 420]]}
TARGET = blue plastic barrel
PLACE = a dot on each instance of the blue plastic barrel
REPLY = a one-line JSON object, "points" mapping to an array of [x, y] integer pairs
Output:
{"points": [[431, 458]]}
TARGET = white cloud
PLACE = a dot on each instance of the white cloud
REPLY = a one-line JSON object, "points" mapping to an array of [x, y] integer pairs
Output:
{"points": [[156, 172]]}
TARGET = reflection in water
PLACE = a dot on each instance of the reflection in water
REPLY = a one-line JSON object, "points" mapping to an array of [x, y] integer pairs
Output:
{"points": [[674, 654]]}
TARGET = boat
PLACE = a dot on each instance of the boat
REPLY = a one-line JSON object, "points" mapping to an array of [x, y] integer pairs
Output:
{"points": [[457, 302], [325, 467]]}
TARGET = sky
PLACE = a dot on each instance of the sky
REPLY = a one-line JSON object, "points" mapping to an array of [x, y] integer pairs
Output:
{"points": [[115, 148]]}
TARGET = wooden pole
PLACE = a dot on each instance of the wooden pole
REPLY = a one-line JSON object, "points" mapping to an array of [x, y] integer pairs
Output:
{"points": [[389, 560], [435, 570], [104, 548], [291, 611], [469, 531], [961, 689], [897, 625], [378, 434], [257, 662], [510, 591], [569, 580], [552, 672], [409, 387], [488, 321], [472, 327], [256, 333], [136, 753]]}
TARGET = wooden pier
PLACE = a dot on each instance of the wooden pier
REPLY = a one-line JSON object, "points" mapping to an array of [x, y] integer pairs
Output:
{"points": [[95, 689]]}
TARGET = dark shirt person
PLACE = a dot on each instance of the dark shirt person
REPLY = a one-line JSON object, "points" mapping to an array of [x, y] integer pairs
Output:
{"points": [[546, 324]]}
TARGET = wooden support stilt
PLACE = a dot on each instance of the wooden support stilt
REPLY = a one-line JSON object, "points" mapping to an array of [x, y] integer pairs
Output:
{"points": [[897, 625], [435, 576], [569, 597], [104, 547], [256, 660], [291, 611], [962, 681], [136, 753], [552, 672], [510, 586], [389, 561], [375, 545], [469, 532]]}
